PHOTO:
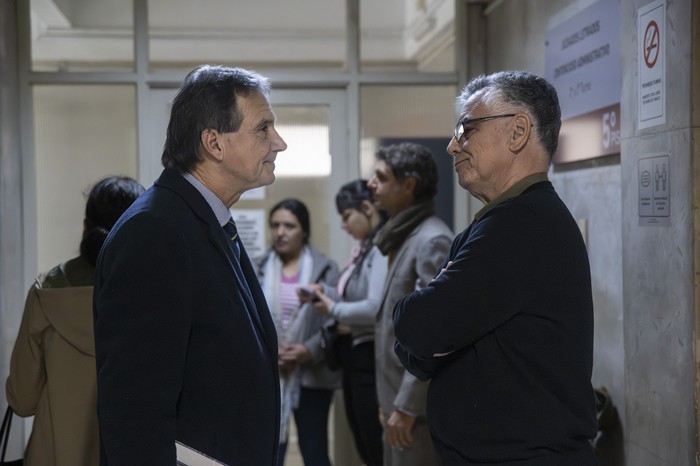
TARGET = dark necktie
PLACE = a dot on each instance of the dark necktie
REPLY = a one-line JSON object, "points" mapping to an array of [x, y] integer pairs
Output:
{"points": [[232, 233]]}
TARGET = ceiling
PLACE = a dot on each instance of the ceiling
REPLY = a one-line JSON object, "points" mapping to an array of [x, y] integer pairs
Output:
{"points": [[98, 34]]}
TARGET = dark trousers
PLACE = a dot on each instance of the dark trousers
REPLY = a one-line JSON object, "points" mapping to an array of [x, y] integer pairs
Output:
{"points": [[360, 394], [311, 419]]}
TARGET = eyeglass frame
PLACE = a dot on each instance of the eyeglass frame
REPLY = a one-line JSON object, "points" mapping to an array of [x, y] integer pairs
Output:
{"points": [[460, 124]]}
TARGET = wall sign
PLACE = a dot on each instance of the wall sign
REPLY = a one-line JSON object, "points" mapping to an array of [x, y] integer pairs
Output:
{"points": [[582, 61], [651, 46], [250, 224], [654, 191]]}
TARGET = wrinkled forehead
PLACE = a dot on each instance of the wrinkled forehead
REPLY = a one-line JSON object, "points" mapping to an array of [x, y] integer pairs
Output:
{"points": [[478, 103]]}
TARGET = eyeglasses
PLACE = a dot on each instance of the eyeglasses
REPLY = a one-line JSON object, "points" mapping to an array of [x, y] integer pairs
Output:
{"points": [[461, 124]]}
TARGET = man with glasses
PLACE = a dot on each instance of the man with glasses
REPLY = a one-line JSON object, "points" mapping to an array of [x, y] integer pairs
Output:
{"points": [[415, 242], [505, 331]]}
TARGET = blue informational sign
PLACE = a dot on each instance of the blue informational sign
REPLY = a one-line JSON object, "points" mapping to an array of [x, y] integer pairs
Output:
{"points": [[582, 61]]}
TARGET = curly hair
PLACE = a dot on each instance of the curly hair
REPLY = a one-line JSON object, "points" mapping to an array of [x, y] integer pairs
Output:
{"points": [[411, 160]]}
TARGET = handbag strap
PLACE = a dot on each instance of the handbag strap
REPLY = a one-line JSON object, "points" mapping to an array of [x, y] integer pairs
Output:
{"points": [[5, 432]]}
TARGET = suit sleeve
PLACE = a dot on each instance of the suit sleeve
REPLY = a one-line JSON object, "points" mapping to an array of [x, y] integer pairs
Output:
{"points": [[142, 306], [413, 391]]}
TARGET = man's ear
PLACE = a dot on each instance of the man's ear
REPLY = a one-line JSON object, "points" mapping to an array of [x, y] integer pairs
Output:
{"points": [[521, 130], [211, 142], [409, 184], [366, 207]]}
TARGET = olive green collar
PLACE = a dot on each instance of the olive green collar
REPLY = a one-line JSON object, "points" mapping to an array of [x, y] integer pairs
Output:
{"points": [[514, 191]]}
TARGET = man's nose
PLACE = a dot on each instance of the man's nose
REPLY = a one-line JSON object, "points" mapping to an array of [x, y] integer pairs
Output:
{"points": [[281, 145], [454, 147]]}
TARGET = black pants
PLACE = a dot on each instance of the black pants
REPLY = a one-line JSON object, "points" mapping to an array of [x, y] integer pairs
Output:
{"points": [[360, 394]]}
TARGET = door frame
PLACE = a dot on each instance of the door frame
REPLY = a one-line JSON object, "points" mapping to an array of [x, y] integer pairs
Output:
{"points": [[344, 165]]}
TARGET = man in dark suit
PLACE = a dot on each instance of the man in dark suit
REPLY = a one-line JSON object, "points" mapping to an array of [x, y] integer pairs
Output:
{"points": [[185, 347]]}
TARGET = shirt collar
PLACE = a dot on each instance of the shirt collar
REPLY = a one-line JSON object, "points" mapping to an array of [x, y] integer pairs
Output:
{"points": [[514, 191], [223, 214]]}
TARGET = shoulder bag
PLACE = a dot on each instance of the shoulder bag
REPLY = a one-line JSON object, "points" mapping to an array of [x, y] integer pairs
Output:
{"points": [[5, 438]]}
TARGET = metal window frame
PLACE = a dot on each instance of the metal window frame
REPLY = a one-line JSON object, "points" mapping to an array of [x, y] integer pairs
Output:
{"points": [[350, 80]]}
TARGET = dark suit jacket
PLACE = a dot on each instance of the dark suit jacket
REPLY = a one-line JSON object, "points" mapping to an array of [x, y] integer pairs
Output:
{"points": [[181, 353]]}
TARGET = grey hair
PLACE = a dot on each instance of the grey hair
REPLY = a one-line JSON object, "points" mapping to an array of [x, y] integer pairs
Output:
{"points": [[523, 90]]}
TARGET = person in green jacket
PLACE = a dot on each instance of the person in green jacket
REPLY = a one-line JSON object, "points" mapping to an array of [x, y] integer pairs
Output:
{"points": [[52, 370]]}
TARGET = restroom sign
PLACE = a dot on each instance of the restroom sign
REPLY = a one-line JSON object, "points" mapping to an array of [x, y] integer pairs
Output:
{"points": [[651, 45], [654, 190]]}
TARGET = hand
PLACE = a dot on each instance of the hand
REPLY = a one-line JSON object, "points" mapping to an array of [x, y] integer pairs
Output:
{"points": [[285, 367], [382, 419], [441, 271], [294, 353], [398, 429], [323, 304], [309, 293]]}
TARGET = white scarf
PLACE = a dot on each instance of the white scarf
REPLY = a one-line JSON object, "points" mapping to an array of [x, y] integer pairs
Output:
{"points": [[290, 386]]}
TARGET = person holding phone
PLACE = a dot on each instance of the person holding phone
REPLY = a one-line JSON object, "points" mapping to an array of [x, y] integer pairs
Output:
{"points": [[354, 303]]}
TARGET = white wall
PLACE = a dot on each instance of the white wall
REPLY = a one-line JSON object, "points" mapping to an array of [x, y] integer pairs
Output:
{"points": [[657, 262], [12, 291]]}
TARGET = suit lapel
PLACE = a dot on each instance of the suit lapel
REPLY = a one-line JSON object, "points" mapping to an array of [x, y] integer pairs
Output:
{"points": [[218, 238], [395, 263], [172, 180]]}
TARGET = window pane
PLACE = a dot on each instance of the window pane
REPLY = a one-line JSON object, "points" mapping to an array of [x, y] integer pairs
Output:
{"points": [[421, 114], [255, 34], [83, 133], [302, 172], [398, 35], [82, 35]]}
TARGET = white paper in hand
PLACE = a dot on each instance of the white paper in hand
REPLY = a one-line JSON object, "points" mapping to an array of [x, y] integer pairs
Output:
{"points": [[188, 456]]}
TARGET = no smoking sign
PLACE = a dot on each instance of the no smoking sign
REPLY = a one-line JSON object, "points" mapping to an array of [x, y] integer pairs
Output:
{"points": [[651, 44], [651, 59]]}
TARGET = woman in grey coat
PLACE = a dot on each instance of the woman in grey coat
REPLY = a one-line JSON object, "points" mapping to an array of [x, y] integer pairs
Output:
{"points": [[354, 303], [306, 382]]}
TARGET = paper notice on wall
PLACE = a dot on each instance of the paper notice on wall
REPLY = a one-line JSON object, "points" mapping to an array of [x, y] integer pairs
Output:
{"points": [[251, 229]]}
